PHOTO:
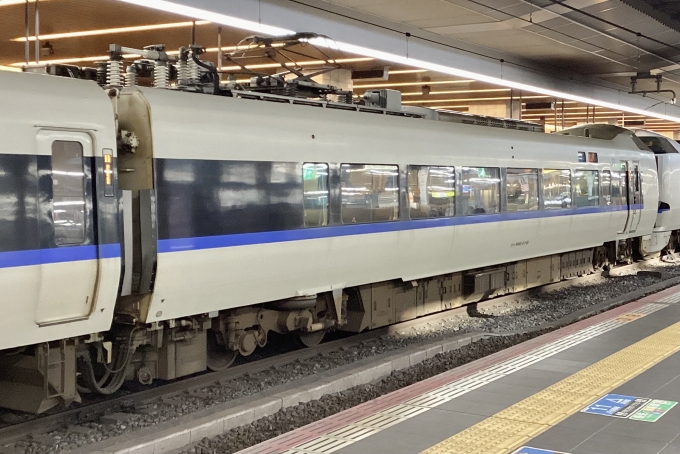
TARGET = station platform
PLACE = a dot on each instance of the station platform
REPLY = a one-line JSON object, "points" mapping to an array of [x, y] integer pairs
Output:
{"points": [[605, 385]]}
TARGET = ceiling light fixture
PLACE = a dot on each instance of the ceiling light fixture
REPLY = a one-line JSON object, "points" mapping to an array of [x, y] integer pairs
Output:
{"points": [[16, 2], [10, 68], [567, 114], [214, 49], [453, 92], [203, 14], [60, 61], [432, 101], [414, 84], [408, 71], [108, 31]]}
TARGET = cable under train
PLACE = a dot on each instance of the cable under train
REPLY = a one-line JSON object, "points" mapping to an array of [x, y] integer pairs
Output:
{"points": [[150, 233]]}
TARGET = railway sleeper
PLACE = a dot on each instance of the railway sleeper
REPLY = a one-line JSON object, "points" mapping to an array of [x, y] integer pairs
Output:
{"points": [[40, 377]]}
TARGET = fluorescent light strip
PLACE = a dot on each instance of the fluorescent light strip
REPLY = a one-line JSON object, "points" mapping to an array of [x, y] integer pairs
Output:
{"points": [[16, 2], [175, 52], [108, 31], [407, 61], [211, 16], [9, 68], [408, 71], [558, 108], [413, 84], [599, 114], [72, 60], [453, 92], [579, 115], [433, 101]]}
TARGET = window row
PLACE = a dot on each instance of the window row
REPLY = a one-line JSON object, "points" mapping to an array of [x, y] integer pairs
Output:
{"points": [[370, 193], [198, 198]]}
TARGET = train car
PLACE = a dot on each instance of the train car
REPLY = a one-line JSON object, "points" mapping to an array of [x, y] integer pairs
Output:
{"points": [[59, 240], [667, 152], [200, 223]]}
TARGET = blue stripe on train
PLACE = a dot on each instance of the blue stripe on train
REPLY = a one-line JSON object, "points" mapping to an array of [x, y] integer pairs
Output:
{"points": [[244, 239], [77, 253], [58, 255]]}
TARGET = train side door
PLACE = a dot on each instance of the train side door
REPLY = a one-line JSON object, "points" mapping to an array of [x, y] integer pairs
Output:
{"points": [[69, 264], [635, 195], [623, 195]]}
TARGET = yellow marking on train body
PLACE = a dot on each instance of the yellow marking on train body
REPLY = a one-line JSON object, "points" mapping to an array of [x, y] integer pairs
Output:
{"points": [[519, 423]]}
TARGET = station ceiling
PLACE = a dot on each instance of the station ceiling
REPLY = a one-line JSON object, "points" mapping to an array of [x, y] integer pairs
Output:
{"points": [[605, 40]]}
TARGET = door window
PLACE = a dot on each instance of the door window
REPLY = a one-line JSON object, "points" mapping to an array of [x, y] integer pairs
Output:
{"points": [[315, 182], [68, 192]]}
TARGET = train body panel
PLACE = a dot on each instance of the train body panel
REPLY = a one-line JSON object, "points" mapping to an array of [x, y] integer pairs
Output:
{"points": [[205, 265], [212, 279], [59, 258]]}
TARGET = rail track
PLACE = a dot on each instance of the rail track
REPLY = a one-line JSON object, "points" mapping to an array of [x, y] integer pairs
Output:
{"points": [[93, 409]]}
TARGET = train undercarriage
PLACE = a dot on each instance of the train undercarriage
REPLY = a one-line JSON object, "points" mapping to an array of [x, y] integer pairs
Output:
{"points": [[39, 377]]}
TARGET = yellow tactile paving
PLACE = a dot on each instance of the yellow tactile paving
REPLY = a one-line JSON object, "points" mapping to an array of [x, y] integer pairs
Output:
{"points": [[629, 317], [514, 426]]}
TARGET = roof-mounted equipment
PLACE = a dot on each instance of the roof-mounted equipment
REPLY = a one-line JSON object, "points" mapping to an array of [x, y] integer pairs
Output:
{"points": [[293, 80]]}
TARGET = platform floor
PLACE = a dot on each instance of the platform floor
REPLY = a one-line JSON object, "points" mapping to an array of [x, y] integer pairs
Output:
{"points": [[623, 366]]}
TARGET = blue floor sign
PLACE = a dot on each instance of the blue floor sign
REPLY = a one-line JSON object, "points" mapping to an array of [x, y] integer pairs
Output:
{"points": [[528, 450], [616, 405]]}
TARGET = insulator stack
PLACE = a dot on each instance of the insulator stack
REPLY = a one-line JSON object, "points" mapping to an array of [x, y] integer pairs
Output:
{"points": [[114, 73], [101, 73], [160, 76], [182, 72], [194, 72], [130, 76]]}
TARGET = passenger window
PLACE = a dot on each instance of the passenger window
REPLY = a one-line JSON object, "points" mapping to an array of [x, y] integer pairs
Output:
{"points": [[315, 194], [431, 191], [556, 189], [607, 187], [587, 185], [68, 192], [370, 193], [522, 189], [619, 187], [481, 190]]}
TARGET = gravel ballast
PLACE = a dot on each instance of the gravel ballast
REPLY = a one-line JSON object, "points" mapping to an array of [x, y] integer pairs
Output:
{"points": [[294, 417], [502, 318]]}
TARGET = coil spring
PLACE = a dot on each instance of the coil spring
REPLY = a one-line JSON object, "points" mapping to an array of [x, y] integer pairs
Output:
{"points": [[114, 73], [160, 76]]}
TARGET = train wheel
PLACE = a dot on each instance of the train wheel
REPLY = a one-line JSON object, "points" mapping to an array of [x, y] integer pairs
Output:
{"points": [[311, 339], [218, 358]]}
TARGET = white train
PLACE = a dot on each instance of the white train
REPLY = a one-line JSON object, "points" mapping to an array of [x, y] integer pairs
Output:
{"points": [[151, 233]]}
